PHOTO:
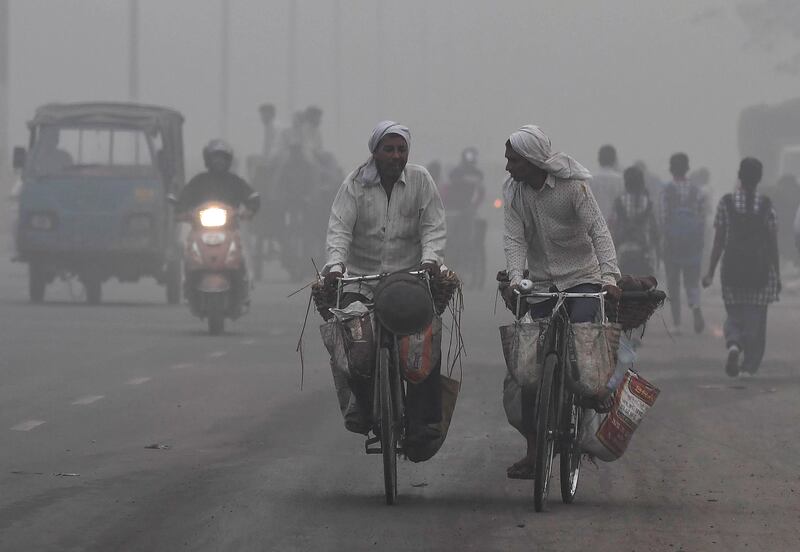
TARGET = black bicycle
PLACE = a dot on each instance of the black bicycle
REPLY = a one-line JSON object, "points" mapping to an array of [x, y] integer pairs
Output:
{"points": [[558, 409], [390, 426]]}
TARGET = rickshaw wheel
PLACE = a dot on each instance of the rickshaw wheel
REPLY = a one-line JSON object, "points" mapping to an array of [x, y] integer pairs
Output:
{"points": [[216, 324], [94, 290], [37, 282]]}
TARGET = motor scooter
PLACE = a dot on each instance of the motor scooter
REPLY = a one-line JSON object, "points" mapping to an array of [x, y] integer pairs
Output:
{"points": [[216, 284]]}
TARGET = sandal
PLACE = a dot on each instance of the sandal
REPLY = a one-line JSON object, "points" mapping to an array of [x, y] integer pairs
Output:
{"points": [[520, 470]]}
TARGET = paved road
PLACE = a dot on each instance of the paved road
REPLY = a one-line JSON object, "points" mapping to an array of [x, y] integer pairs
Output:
{"points": [[245, 460]]}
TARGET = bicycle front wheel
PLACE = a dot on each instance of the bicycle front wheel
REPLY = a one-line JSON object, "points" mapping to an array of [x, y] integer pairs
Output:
{"points": [[388, 427], [570, 455], [546, 430]]}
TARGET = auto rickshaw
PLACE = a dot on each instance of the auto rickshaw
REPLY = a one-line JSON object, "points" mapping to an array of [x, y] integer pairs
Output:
{"points": [[93, 203]]}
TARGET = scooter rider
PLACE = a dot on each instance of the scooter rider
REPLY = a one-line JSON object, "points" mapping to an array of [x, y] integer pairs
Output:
{"points": [[218, 183]]}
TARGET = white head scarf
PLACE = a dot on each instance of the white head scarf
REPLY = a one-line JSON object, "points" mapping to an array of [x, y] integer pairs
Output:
{"points": [[368, 172], [534, 145]]}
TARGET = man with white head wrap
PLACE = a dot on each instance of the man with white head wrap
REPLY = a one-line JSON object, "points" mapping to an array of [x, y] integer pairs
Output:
{"points": [[387, 217], [554, 226]]}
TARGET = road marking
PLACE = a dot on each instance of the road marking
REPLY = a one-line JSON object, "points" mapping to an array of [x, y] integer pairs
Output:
{"points": [[181, 366], [248, 341], [88, 399], [27, 425], [137, 381], [217, 354]]}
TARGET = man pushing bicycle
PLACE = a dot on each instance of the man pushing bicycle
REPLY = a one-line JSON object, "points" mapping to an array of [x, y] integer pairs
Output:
{"points": [[553, 227]]}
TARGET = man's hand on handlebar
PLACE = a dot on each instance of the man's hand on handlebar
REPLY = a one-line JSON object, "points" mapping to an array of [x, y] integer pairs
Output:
{"points": [[431, 268], [613, 293], [335, 274]]}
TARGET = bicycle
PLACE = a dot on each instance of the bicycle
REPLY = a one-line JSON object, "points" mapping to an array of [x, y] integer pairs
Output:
{"points": [[390, 426], [558, 409]]}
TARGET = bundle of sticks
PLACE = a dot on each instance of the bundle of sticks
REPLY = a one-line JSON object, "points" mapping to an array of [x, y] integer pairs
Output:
{"points": [[324, 296], [443, 287]]}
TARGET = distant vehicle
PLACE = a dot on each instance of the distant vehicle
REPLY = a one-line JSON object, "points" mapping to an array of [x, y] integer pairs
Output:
{"points": [[93, 203]]}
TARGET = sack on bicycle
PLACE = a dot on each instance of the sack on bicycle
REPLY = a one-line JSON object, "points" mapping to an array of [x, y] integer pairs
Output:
{"points": [[419, 353], [607, 436], [522, 350], [593, 357], [349, 339]]}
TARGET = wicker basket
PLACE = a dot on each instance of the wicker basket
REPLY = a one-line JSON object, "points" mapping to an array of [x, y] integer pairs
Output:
{"points": [[632, 312]]}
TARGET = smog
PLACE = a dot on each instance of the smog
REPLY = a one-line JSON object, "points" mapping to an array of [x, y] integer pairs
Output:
{"points": [[350, 275]]}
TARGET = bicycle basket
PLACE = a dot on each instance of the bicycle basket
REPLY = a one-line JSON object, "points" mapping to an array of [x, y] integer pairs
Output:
{"points": [[403, 304], [631, 313]]}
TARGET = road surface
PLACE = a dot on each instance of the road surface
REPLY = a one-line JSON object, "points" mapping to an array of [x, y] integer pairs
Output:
{"points": [[125, 427]]}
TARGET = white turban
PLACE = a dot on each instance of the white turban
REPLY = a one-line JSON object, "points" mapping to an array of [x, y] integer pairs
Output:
{"points": [[368, 172], [534, 145]]}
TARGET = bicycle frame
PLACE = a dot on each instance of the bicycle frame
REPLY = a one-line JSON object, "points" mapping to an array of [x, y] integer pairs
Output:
{"points": [[387, 367], [555, 397]]}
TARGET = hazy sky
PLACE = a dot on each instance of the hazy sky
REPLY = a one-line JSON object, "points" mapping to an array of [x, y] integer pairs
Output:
{"points": [[649, 76]]}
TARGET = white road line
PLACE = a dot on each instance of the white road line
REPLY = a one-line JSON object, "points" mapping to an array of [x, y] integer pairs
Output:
{"points": [[217, 354], [88, 399], [181, 366], [248, 341], [137, 381], [27, 425]]}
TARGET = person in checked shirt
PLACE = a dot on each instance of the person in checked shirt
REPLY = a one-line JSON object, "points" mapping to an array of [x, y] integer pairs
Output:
{"points": [[554, 228], [388, 217]]}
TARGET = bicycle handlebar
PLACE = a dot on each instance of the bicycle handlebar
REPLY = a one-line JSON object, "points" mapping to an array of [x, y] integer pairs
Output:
{"points": [[557, 294], [373, 277], [631, 295]]}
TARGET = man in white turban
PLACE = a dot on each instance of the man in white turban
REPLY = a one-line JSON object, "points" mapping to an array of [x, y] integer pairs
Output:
{"points": [[387, 217], [554, 228]]}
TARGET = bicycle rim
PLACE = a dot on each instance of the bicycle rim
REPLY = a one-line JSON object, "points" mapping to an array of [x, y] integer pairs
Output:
{"points": [[545, 433], [388, 428], [570, 459]]}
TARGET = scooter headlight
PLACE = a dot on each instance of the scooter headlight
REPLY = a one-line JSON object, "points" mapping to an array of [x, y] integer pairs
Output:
{"points": [[213, 217]]}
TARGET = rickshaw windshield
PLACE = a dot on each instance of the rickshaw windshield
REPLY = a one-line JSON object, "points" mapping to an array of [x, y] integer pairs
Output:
{"points": [[95, 151]]}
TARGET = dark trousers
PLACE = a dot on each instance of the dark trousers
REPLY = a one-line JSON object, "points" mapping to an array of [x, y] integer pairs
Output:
{"points": [[691, 282], [423, 400], [746, 326], [580, 310]]}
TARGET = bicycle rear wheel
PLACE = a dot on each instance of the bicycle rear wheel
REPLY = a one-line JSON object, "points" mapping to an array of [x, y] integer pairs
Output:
{"points": [[388, 427], [546, 429], [570, 454]]}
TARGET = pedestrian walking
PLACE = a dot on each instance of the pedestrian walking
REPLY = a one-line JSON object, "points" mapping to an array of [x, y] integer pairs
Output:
{"points": [[683, 219], [606, 183], [746, 241], [634, 227]]}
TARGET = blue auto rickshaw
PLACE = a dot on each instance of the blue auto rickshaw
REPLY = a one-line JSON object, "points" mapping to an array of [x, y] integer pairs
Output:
{"points": [[93, 201]]}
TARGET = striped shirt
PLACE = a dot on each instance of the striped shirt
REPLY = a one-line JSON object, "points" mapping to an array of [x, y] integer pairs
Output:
{"points": [[561, 234], [737, 296], [370, 233]]}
